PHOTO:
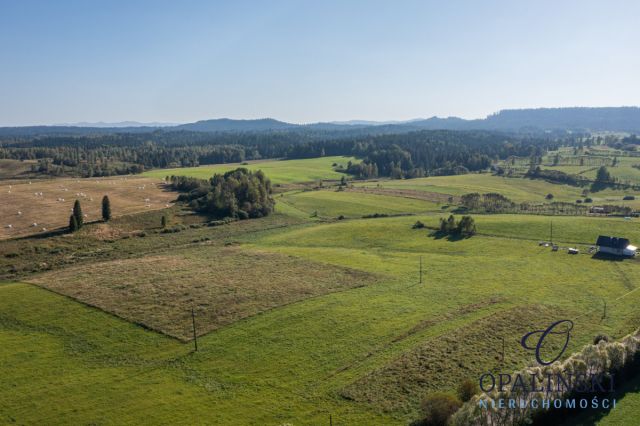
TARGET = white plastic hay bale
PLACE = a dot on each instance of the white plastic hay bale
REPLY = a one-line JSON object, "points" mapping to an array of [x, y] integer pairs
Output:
{"points": [[44, 229], [19, 213], [9, 226], [34, 224]]}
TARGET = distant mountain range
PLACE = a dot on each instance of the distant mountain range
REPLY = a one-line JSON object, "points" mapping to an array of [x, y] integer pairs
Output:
{"points": [[103, 125], [614, 119]]}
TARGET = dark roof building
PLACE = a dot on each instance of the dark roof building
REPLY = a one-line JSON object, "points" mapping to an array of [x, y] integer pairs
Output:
{"points": [[616, 246]]}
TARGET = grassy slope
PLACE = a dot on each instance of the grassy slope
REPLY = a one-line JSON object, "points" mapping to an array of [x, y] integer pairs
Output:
{"points": [[331, 203], [159, 291], [290, 364], [280, 172], [13, 169], [517, 189], [66, 363]]}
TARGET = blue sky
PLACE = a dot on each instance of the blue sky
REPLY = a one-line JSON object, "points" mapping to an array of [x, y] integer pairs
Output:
{"points": [[303, 61]]}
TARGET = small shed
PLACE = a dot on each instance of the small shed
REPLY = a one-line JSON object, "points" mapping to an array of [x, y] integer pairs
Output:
{"points": [[616, 246]]}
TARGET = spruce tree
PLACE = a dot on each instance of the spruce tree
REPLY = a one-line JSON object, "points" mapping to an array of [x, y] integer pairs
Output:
{"points": [[77, 213], [73, 224], [106, 209]]}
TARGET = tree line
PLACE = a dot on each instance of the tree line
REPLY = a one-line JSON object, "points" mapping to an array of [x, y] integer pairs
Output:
{"points": [[406, 155]]}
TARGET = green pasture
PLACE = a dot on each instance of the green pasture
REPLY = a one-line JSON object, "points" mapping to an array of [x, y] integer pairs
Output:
{"points": [[516, 189], [331, 203], [364, 355], [279, 171]]}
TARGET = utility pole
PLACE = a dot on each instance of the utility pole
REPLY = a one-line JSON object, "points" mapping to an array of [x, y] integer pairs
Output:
{"points": [[420, 269], [195, 335], [330, 420]]}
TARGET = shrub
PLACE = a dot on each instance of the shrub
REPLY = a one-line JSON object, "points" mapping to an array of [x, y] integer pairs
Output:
{"points": [[375, 215], [599, 361], [467, 389], [77, 213], [549, 197], [578, 201], [438, 407], [106, 209], [629, 197], [418, 225], [341, 217], [588, 200], [600, 338]]}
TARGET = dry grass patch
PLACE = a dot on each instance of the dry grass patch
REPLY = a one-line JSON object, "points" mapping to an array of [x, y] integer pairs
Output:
{"points": [[441, 363], [223, 284], [22, 206]]}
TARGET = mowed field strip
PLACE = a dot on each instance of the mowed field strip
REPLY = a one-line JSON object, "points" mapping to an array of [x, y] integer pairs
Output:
{"points": [[22, 206], [221, 284]]}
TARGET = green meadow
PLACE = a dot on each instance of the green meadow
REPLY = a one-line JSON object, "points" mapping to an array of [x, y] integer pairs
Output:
{"points": [[279, 171], [365, 350], [516, 189], [332, 203]]}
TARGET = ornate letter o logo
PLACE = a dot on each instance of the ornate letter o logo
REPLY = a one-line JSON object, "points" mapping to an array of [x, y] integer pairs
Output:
{"points": [[543, 334]]}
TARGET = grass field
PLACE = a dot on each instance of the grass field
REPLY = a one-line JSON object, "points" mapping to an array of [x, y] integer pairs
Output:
{"points": [[300, 318], [279, 171], [49, 211], [516, 189], [159, 291], [331, 203], [15, 169]]}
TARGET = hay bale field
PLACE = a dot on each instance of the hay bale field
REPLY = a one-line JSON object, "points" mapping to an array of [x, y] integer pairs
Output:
{"points": [[30, 207]]}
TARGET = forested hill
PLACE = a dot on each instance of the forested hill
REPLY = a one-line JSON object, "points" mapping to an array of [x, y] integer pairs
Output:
{"points": [[615, 119], [595, 119], [412, 154]]}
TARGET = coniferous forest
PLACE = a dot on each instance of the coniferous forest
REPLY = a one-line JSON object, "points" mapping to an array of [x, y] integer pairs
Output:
{"points": [[398, 155]]}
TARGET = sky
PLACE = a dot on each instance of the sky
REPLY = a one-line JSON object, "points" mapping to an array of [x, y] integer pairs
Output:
{"points": [[307, 61]]}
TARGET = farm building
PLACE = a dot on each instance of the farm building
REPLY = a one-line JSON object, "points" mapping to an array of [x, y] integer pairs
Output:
{"points": [[616, 246]]}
